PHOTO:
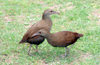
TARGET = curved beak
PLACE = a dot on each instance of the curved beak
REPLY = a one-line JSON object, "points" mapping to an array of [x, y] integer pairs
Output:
{"points": [[36, 34], [56, 13]]}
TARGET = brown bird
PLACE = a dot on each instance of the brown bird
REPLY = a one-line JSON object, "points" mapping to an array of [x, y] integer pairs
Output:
{"points": [[45, 23], [60, 39]]}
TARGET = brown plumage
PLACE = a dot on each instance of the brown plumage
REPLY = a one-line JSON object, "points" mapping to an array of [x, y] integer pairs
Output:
{"points": [[45, 24], [60, 39]]}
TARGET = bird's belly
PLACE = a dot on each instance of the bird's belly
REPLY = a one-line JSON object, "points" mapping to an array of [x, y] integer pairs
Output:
{"points": [[60, 44], [36, 40]]}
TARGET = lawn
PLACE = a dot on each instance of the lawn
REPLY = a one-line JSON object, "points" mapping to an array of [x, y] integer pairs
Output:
{"points": [[82, 16]]}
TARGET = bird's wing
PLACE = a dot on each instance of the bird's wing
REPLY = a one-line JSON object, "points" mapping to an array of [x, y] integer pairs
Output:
{"points": [[29, 33]]}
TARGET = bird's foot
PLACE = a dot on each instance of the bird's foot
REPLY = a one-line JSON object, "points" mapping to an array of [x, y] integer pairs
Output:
{"points": [[36, 50], [29, 54], [64, 56]]}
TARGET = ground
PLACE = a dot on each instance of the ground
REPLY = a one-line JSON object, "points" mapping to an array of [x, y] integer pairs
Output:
{"points": [[82, 16]]}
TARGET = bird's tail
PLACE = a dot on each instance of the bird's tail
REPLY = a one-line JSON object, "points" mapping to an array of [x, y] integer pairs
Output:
{"points": [[78, 35], [22, 42]]}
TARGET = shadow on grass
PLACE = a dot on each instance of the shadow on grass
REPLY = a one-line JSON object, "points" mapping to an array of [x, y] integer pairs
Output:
{"points": [[56, 55]]}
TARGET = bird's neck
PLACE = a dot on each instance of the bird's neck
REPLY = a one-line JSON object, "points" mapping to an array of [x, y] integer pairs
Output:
{"points": [[50, 38], [47, 21], [46, 17]]}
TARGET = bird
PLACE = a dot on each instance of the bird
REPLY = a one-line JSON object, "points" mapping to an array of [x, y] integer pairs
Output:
{"points": [[60, 39], [45, 23]]}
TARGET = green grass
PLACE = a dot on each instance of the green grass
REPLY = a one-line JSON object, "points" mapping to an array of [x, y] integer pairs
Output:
{"points": [[75, 15]]}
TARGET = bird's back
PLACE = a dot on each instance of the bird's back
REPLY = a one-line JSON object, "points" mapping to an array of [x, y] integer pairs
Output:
{"points": [[33, 29], [64, 38]]}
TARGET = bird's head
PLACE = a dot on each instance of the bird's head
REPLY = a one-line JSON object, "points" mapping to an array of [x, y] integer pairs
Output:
{"points": [[41, 33], [50, 12]]}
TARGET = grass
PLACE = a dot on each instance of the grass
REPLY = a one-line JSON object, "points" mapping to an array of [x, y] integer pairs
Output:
{"points": [[75, 15]]}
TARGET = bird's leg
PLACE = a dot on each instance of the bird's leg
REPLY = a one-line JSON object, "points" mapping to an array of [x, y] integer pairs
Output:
{"points": [[71, 46], [66, 50], [36, 48], [29, 49]]}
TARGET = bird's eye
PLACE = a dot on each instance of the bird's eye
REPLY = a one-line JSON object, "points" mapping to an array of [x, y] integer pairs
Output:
{"points": [[51, 11], [40, 32]]}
